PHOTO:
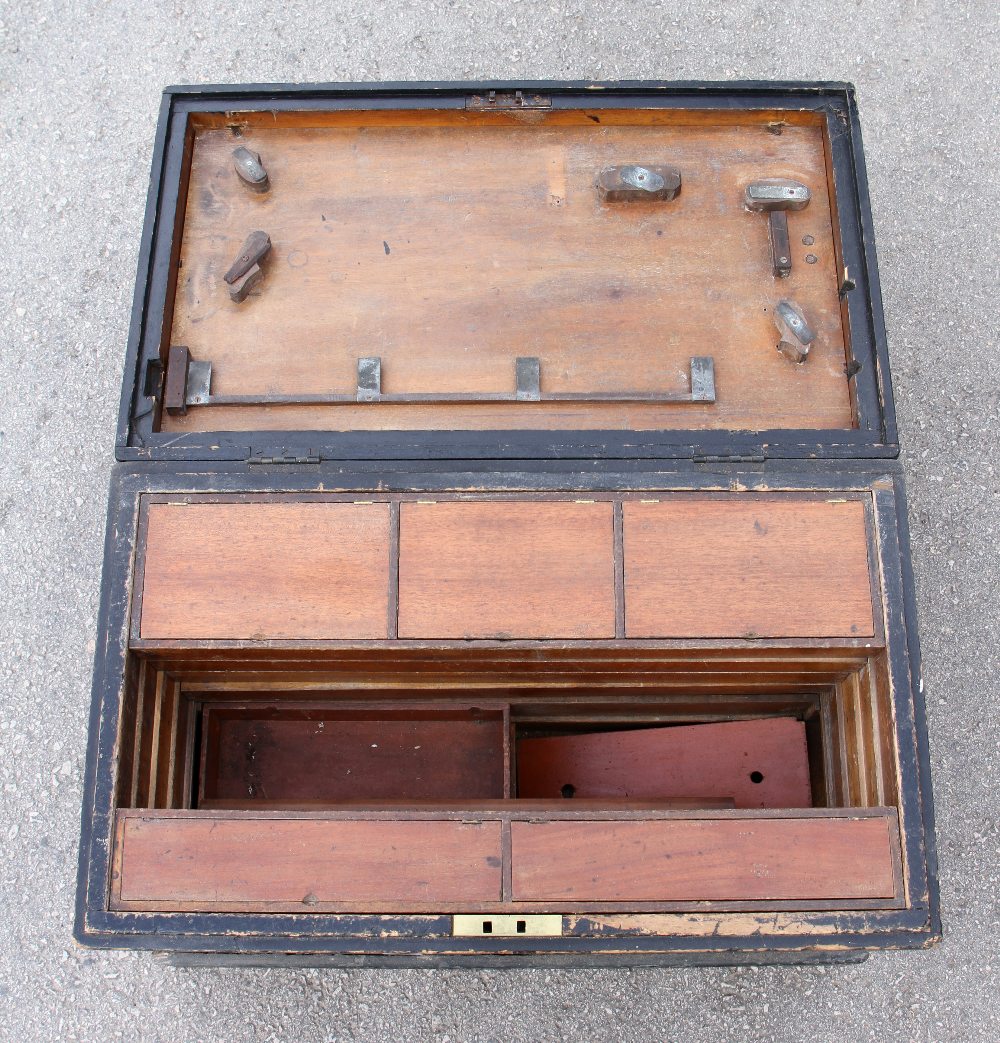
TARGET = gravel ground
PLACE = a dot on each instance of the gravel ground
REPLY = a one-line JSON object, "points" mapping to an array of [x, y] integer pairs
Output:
{"points": [[79, 90]]}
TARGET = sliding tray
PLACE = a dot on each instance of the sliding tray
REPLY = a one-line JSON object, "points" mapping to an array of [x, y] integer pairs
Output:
{"points": [[507, 557]]}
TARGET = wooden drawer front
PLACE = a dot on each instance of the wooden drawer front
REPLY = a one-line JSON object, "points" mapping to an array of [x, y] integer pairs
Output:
{"points": [[700, 567], [725, 860], [304, 865], [308, 571], [506, 570]]}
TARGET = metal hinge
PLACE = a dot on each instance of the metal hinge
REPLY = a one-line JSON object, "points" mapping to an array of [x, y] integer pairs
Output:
{"points": [[491, 100], [727, 458], [308, 457]]}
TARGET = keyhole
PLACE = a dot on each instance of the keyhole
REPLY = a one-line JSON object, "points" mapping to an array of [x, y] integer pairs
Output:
{"points": [[568, 790]]}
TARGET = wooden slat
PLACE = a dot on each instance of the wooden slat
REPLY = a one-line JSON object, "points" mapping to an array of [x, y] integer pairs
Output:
{"points": [[474, 808], [752, 859], [312, 571], [700, 567], [210, 863], [449, 245], [716, 760], [150, 682], [506, 570]]}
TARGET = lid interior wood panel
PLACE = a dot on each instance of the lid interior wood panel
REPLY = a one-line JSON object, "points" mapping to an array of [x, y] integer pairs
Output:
{"points": [[449, 244]]}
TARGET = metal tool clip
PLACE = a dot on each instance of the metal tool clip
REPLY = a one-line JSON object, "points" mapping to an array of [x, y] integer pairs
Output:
{"points": [[635, 183], [250, 169], [796, 333], [775, 196]]}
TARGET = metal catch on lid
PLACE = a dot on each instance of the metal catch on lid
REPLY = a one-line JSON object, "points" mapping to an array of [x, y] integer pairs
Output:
{"points": [[250, 169], [632, 182]]}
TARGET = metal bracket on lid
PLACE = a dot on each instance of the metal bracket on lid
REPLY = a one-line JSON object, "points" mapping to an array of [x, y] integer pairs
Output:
{"points": [[188, 381], [702, 378], [528, 380], [189, 384], [775, 196], [796, 334], [250, 169], [638, 183], [369, 379]]}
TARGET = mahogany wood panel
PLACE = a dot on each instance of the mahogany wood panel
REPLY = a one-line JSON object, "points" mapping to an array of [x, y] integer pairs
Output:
{"points": [[287, 755], [211, 863], [450, 245], [758, 764], [506, 570], [747, 567], [750, 859], [266, 571]]}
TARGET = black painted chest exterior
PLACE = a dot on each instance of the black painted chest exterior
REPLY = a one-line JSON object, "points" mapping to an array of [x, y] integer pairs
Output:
{"points": [[507, 557]]}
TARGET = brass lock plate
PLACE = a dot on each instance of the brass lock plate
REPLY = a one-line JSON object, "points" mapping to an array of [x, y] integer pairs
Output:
{"points": [[506, 925]]}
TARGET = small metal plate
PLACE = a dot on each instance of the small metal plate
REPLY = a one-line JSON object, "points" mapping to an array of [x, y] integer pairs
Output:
{"points": [[702, 378], [507, 100], [777, 193], [199, 383], [507, 925], [528, 377], [369, 379]]}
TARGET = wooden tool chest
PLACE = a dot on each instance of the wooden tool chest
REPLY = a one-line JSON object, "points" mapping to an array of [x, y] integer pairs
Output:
{"points": [[507, 556]]}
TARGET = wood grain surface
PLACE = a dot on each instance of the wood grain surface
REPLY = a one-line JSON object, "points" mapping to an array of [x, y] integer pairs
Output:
{"points": [[747, 567], [506, 570], [714, 760], [781, 859], [448, 246], [215, 863], [284, 755], [308, 571]]}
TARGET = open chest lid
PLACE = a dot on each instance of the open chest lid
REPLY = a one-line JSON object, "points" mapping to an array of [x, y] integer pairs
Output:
{"points": [[507, 271]]}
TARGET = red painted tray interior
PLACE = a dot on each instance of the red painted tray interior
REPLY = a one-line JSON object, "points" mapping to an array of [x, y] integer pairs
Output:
{"points": [[329, 755], [758, 764]]}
